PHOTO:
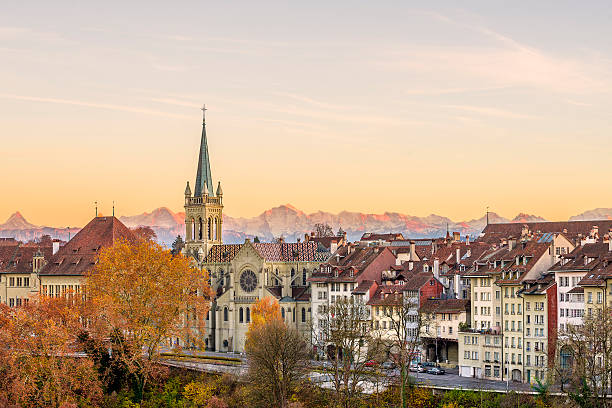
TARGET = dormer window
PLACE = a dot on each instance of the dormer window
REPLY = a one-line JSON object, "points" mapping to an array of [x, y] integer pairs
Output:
{"points": [[425, 268], [335, 273]]}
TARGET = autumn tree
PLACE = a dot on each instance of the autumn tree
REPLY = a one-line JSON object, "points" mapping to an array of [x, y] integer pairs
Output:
{"points": [[277, 355], [39, 360], [145, 295], [345, 334], [144, 232]]}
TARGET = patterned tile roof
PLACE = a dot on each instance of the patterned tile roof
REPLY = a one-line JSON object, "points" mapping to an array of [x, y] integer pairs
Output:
{"points": [[271, 252]]}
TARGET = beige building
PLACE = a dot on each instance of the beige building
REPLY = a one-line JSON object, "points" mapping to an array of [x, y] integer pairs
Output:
{"points": [[440, 328], [20, 265], [502, 279], [242, 274]]}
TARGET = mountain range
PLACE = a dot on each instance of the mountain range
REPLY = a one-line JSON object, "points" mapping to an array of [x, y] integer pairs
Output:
{"points": [[291, 223]]}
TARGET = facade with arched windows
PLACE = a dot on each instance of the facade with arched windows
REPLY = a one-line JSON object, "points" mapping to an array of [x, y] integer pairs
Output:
{"points": [[242, 274]]}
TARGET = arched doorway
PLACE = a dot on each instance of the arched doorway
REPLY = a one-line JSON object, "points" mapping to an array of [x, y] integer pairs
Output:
{"points": [[516, 375]]}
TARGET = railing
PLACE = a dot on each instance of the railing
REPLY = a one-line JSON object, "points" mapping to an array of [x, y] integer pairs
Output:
{"points": [[202, 200]]}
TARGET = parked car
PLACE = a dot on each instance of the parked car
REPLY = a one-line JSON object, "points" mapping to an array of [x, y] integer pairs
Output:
{"points": [[371, 363], [424, 366], [436, 371], [414, 367], [388, 365]]}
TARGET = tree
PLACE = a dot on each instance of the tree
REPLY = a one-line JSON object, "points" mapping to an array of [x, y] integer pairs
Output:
{"points": [[256, 240], [38, 365], [144, 296], [586, 352], [345, 334], [323, 230], [145, 233], [178, 245], [277, 355], [406, 322]]}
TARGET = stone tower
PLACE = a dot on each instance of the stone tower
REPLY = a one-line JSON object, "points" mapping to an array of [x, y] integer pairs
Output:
{"points": [[203, 209]]}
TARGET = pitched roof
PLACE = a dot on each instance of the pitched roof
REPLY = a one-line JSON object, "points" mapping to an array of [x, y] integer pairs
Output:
{"points": [[80, 254], [204, 174], [369, 236], [586, 257], [492, 233], [271, 252], [446, 305], [18, 257]]}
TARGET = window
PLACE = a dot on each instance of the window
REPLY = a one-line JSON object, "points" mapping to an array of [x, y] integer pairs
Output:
{"points": [[19, 282], [248, 315], [304, 276], [241, 315], [11, 281], [303, 315], [225, 314]]}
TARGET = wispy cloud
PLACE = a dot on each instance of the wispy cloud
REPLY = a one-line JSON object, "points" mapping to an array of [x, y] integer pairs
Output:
{"points": [[488, 111], [123, 108]]}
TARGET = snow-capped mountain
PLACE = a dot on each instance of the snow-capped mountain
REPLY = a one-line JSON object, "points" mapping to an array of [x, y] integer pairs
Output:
{"points": [[292, 223]]}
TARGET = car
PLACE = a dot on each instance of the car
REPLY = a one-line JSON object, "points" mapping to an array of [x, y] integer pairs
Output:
{"points": [[436, 371], [388, 365], [414, 367], [371, 363]]}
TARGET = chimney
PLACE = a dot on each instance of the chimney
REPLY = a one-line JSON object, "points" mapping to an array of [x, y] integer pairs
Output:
{"points": [[456, 237], [511, 244], [524, 231], [457, 280], [410, 265], [333, 247], [467, 240], [458, 255], [413, 256], [595, 232], [436, 268], [306, 237], [56, 245], [610, 242]]}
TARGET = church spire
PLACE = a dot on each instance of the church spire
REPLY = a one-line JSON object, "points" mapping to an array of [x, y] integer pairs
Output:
{"points": [[203, 175]]}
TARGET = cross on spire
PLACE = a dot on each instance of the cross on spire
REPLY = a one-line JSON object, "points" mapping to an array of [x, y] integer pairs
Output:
{"points": [[203, 109]]}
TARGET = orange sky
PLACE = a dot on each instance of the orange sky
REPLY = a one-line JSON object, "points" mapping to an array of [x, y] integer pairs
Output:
{"points": [[388, 108]]}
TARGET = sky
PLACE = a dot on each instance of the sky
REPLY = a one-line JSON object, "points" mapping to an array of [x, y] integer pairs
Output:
{"points": [[400, 106]]}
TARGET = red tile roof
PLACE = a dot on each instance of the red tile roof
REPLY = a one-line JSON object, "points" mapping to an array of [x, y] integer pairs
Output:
{"points": [[79, 255], [446, 305], [493, 233]]}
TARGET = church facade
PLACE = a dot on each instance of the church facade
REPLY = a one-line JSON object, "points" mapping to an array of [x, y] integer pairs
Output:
{"points": [[242, 274]]}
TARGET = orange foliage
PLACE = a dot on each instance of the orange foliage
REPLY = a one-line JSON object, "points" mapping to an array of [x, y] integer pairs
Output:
{"points": [[148, 295], [264, 310], [39, 358]]}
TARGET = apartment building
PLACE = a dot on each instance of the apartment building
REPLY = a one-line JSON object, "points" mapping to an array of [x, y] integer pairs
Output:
{"points": [[568, 272], [500, 279], [441, 320]]}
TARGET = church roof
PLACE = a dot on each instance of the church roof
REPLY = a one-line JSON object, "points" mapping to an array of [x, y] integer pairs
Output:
{"points": [[271, 252], [203, 175], [79, 255]]}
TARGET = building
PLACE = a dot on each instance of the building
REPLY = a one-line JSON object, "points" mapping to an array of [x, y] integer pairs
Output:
{"points": [[568, 272], [20, 264], [350, 272], [203, 208], [442, 319], [502, 281], [242, 274], [64, 271]]}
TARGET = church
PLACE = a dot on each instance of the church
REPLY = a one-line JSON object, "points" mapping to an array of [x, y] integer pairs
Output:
{"points": [[241, 274]]}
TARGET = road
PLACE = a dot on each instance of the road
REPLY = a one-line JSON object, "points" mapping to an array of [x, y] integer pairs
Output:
{"points": [[449, 380]]}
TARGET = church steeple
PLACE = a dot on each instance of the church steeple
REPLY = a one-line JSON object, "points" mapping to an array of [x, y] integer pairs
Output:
{"points": [[203, 175]]}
